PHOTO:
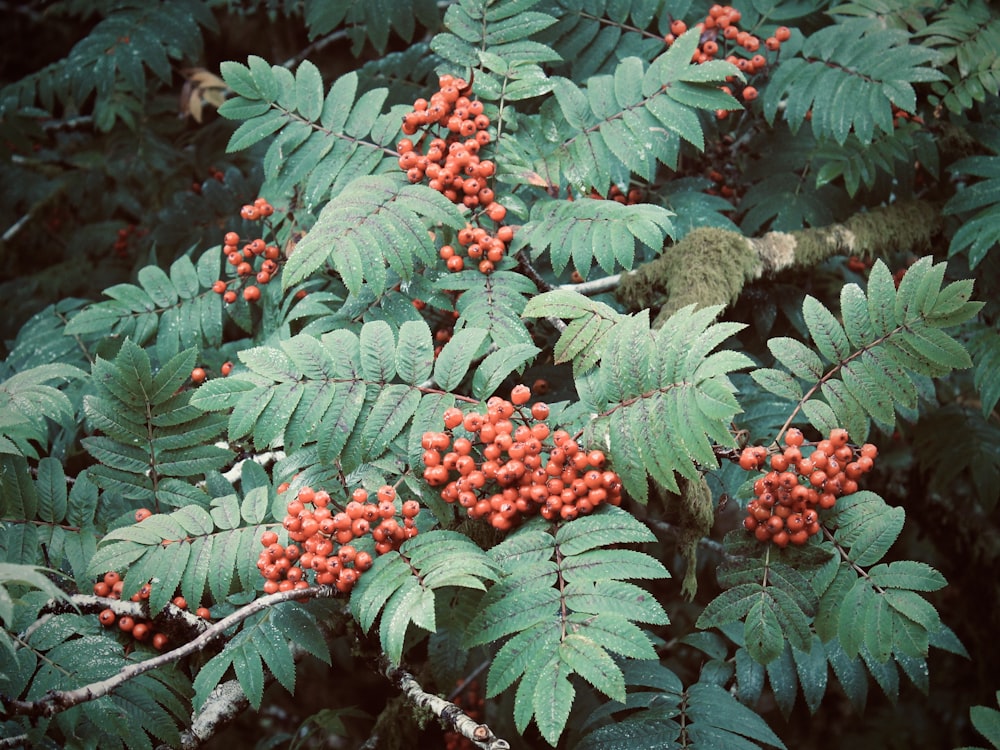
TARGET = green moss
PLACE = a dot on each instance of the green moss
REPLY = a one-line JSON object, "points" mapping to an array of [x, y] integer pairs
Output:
{"points": [[697, 514], [899, 227], [708, 266], [908, 226]]}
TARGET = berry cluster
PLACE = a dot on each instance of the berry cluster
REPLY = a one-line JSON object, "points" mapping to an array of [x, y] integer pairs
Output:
{"points": [[505, 472], [633, 196], [243, 259], [478, 245], [785, 507], [142, 629], [721, 37], [721, 167], [721, 188], [454, 131], [326, 536], [470, 700], [123, 237]]}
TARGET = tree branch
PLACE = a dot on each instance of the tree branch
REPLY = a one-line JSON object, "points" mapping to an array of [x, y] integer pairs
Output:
{"points": [[711, 266], [450, 715], [59, 700], [223, 704]]}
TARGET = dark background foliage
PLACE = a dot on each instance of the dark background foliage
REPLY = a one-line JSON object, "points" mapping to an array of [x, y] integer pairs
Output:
{"points": [[85, 203]]}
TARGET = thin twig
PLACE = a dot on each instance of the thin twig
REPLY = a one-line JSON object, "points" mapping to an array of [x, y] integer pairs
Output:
{"points": [[316, 46], [597, 286], [468, 678]]}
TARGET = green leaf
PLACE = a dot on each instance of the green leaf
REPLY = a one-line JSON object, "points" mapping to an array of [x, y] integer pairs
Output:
{"points": [[52, 493], [878, 534], [376, 221], [255, 130], [811, 668], [308, 90], [552, 699], [378, 351], [714, 706], [797, 358], [762, 630], [782, 676], [731, 605], [495, 367], [611, 526], [589, 660], [907, 574], [393, 408], [453, 362], [526, 651], [414, 352], [986, 720]]}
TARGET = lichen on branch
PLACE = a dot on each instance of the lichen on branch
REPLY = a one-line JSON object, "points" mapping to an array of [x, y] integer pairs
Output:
{"points": [[710, 266]]}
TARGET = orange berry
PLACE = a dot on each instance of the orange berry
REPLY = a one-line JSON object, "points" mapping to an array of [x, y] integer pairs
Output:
{"points": [[520, 395], [496, 212], [198, 375], [838, 437], [749, 94]]}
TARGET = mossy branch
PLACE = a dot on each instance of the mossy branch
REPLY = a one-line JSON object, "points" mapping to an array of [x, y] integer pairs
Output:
{"points": [[711, 266]]}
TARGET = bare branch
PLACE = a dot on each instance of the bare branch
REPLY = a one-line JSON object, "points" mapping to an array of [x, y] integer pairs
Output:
{"points": [[597, 286], [450, 715], [223, 705]]}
